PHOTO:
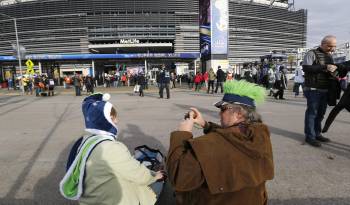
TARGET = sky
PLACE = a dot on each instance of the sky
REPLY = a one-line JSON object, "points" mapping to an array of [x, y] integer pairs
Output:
{"points": [[326, 17]]}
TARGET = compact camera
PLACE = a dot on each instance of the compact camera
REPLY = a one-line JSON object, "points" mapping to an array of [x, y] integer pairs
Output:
{"points": [[187, 115]]}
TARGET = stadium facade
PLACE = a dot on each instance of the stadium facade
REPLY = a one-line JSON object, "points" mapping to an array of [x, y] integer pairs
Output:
{"points": [[103, 35], [254, 28], [258, 28]]}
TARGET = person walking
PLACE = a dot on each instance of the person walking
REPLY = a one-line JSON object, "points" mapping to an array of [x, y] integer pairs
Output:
{"points": [[211, 76], [298, 79], [173, 80], [220, 78], [89, 83], [77, 84], [164, 82], [206, 78], [271, 81], [318, 66], [198, 81], [141, 82], [281, 83]]}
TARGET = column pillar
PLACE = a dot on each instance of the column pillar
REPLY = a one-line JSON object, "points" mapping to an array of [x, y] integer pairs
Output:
{"points": [[40, 68], [93, 68]]}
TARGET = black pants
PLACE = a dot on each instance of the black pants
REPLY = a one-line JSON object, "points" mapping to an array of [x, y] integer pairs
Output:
{"points": [[221, 87], [141, 90], [210, 83], [279, 93], [161, 89], [344, 102]]}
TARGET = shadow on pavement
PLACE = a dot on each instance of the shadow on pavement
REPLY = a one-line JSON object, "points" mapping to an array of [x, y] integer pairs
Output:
{"points": [[332, 147], [132, 137], [19, 106], [46, 191]]}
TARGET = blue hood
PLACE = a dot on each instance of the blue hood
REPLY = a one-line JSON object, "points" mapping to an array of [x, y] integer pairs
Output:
{"points": [[96, 110]]}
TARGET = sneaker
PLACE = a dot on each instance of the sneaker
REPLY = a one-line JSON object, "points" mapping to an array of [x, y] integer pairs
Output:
{"points": [[313, 142], [322, 139]]}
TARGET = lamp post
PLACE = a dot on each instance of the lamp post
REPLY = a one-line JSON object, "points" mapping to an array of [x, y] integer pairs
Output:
{"points": [[17, 42]]}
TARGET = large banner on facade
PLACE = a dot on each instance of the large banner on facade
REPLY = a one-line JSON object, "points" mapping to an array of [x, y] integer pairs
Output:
{"points": [[204, 21], [219, 26]]}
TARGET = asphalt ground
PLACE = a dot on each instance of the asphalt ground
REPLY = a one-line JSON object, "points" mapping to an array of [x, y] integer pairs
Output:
{"points": [[37, 133]]}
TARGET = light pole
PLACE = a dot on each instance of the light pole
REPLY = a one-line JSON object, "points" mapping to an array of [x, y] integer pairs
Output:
{"points": [[17, 42]]}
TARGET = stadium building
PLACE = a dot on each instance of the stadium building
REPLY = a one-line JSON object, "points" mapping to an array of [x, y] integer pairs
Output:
{"points": [[97, 36], [238, 31]]}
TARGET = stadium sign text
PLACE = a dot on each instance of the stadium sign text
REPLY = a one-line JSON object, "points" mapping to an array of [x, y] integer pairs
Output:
{"points": [[130, 41]]}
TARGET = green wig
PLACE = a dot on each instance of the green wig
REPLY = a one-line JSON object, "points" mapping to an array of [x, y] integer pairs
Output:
{"points": [[242, 92]]}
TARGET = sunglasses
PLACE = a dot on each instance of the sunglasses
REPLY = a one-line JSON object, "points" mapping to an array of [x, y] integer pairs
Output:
{"points": [[224, 108]]}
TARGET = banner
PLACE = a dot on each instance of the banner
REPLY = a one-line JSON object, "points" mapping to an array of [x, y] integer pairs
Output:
{"points": [[205, 30], [219, 26]]}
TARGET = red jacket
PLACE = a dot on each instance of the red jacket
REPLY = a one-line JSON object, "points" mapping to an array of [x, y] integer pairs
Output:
{"points": [[198, 78]]}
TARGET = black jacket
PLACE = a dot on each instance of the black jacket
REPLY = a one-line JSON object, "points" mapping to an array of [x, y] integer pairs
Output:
{"points": [[220, 75]]}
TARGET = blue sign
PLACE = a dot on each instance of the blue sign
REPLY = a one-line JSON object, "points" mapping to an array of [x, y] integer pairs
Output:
{"points": [[104, 56], [219, 26]]}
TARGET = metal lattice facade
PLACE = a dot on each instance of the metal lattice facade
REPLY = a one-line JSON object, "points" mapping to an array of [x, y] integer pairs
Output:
{"points": [[69, 26], [256, 29]]}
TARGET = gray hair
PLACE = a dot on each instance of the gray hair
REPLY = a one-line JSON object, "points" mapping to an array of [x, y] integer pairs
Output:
{"points": [[249, 113], [327, 38]]}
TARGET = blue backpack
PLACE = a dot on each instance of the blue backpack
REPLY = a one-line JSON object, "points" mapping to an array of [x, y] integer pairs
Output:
{"points": [[153, 159]]}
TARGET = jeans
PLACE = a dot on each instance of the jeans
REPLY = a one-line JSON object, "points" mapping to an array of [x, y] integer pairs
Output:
{"points": [[316, 108], [37, 91], [77, 91], [217, 87], [161, 89], [157, 188]]}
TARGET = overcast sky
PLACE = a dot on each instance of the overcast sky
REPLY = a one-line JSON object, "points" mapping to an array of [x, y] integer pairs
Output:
{"points": [[326, 17]]}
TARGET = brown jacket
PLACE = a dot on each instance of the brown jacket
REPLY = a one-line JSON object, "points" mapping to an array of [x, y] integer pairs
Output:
{"points": [[225, 166]]}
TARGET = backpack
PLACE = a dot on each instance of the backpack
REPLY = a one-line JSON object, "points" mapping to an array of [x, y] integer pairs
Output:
{"points": [[153, 159]]}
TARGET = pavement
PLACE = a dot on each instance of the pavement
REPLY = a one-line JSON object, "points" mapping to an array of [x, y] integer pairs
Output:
{"points": [[37, 133]]}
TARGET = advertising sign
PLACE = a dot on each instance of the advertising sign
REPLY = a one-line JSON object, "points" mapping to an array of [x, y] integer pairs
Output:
{"points": [[219, 26], [205, 33]]}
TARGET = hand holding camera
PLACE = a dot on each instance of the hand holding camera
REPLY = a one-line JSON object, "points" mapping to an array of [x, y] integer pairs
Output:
{"points": [[193, 117]]}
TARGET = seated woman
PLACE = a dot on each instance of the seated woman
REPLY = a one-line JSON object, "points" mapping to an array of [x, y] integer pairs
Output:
{"points": [[101, 169]]}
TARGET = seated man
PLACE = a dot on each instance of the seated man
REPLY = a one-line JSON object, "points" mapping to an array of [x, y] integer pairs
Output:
{"points": [[231, 162]]}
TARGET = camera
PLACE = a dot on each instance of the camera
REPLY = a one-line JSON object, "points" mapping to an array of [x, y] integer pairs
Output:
{"points": [[187, 115]]}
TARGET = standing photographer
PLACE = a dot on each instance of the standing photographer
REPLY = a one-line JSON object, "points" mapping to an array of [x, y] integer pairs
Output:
{"points": [[231, 162]]}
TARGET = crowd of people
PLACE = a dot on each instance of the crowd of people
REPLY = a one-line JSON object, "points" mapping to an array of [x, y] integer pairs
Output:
{"points": [[41, 84]]}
